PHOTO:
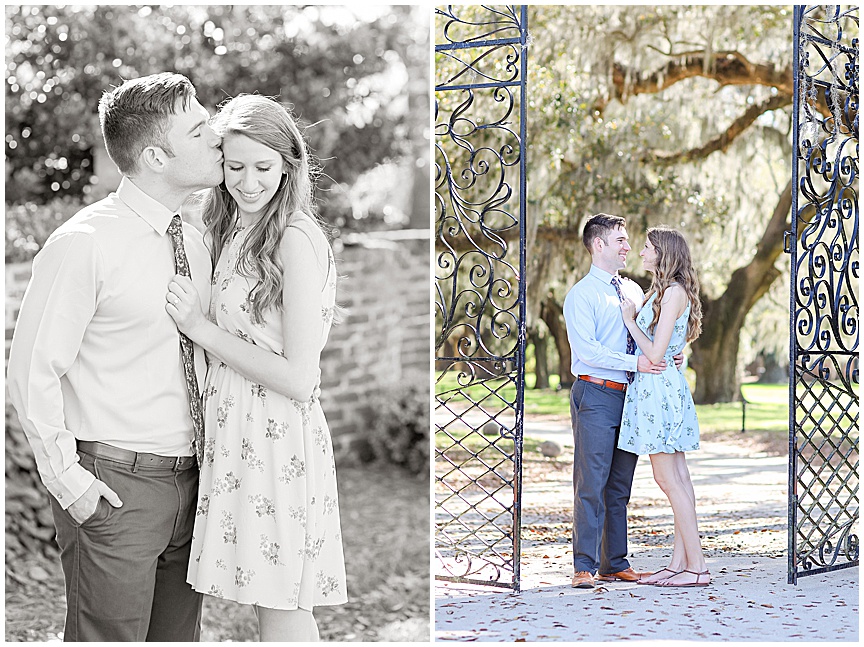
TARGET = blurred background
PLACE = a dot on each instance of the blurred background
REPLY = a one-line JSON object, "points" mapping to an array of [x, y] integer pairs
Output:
{"points": [[358, 80]]}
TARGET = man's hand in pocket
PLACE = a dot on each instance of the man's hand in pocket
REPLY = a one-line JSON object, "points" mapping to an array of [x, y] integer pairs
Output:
{"points": [[85, 506]]}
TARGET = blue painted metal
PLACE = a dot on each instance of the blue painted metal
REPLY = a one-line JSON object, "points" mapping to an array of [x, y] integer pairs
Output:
{"points": [[480, 202], [823, 244]]}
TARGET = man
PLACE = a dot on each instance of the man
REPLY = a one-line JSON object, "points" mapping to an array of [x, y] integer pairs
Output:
{"points": [[96, 375], [602, 473]]}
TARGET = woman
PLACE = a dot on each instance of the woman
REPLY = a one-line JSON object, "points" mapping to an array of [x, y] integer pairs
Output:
{"points": [[267, 527], [659, 418]]}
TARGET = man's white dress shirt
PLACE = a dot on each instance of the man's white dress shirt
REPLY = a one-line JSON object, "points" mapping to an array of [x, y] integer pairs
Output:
{"points": [[95, 356]]}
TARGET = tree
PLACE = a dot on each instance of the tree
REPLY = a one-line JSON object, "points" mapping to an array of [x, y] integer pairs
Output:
{"points": [[675, 114]]}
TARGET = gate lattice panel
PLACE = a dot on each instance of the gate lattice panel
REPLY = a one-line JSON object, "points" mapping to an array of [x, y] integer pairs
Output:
{"points": [[823, 399], [480, 291]]}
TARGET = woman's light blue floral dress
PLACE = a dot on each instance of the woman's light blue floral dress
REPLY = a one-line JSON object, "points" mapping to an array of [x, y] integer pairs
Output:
{"points": [[267, 526], [659, 415]]}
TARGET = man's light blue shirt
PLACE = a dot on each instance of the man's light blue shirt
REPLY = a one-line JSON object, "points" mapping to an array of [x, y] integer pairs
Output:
{"points": [[595, 329]]}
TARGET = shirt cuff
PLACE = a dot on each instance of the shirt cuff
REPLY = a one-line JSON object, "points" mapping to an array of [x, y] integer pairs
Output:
{"points": [[70, 486], [634, 362]]}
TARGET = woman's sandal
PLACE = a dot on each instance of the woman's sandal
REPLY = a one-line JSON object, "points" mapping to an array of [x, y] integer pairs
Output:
{"points": [[639, 581], [666, 582]]}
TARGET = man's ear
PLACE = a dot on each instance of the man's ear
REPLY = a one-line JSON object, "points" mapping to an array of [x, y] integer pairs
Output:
{"points": [[153, 158], [598, 246]]}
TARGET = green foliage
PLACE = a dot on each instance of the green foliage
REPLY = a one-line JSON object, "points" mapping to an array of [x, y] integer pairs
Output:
{"points": [[400, 431], [588, 144], [594, 145], [590, 147], [348, 72]]}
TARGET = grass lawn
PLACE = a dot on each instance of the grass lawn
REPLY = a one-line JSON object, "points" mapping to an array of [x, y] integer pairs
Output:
{"points": [[537, 401], [473, 441], [766, 406]]}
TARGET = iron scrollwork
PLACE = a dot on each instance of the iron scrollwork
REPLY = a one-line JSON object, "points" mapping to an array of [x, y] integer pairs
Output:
{"points": [[823, 473], [480, 296]]}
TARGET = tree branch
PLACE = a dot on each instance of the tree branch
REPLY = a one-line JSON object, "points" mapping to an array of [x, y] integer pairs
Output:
{"points": [[727, 68], [700, 52], [722, 141]]}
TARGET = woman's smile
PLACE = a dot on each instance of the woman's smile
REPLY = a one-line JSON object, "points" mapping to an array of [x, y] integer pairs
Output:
{"points": [[252, 173], [250, 196]]}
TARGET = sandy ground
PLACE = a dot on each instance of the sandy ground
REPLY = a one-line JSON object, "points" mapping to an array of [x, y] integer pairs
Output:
{"points": [[742, 507]]}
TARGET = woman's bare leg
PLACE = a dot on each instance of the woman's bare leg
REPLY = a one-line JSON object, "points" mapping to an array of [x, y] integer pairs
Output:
{"points": [[679, 489], [676, 563], [279, 625]]}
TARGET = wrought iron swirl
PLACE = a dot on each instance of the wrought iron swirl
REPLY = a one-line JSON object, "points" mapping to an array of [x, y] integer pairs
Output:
{"points": [[824, 301], [462, 26], [479, 298], [475, 278]]}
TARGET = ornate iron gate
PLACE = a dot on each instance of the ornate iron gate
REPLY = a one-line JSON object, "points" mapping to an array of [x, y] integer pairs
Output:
{"points": [[480, 291], [823, 396]]}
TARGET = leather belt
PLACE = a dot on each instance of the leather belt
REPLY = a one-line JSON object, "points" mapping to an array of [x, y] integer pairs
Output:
{"points": [[136, 459], [618, 386]]}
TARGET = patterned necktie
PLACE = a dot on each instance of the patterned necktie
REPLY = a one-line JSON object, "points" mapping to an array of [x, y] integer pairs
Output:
{"points": [[181, 265], [631, 344]]}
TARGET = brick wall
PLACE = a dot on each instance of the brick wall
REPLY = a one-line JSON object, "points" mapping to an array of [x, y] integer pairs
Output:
{"points": [[384, 339]]}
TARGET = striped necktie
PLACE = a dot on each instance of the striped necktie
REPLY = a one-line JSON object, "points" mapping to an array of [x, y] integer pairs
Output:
{"points": [[631, 344], [181, 265]]}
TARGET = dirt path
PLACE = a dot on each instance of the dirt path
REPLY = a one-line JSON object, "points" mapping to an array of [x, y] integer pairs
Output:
{"points": [[742, 506]]}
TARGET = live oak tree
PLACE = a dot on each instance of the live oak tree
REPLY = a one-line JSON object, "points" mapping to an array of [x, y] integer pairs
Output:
{"points": [[675, 115]]}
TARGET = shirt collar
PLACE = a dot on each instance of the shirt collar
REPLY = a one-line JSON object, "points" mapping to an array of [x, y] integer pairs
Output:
{"points": [[603, 275], [151, 211]]}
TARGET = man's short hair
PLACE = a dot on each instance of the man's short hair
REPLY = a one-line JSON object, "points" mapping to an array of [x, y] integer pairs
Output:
{"points": [[600, 226], [135, 115]]}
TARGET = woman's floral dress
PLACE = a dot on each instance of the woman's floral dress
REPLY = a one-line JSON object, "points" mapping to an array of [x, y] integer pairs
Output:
{"points": [[267, 525], [659, 415]]}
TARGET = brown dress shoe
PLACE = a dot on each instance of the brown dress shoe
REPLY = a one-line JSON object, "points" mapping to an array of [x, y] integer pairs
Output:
{"points": [[583, 580], [624, 576]]}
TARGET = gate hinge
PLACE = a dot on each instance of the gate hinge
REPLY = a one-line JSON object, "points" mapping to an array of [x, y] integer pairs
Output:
{"points": [[787, 235]]}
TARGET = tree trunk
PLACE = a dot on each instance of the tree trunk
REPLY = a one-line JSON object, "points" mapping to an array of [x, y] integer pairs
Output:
{"points": [[541, 366], [552, 316], [776, 369], [715, 353], [447, 349]]}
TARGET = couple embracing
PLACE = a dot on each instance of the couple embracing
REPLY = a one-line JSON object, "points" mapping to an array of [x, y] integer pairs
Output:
{"points": [[630, 398], [168, 382]]}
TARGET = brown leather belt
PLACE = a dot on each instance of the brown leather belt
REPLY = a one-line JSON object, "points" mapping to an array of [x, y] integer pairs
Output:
{"points": [[136, 459], [618, 386]]}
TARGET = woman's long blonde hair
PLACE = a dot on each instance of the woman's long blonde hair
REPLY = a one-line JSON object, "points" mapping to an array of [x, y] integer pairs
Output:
{"points": [[674, 265], [267, 122]]}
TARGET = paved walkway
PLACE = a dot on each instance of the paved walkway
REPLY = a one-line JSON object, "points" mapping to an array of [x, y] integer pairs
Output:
{"points": [[742, 506]]}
